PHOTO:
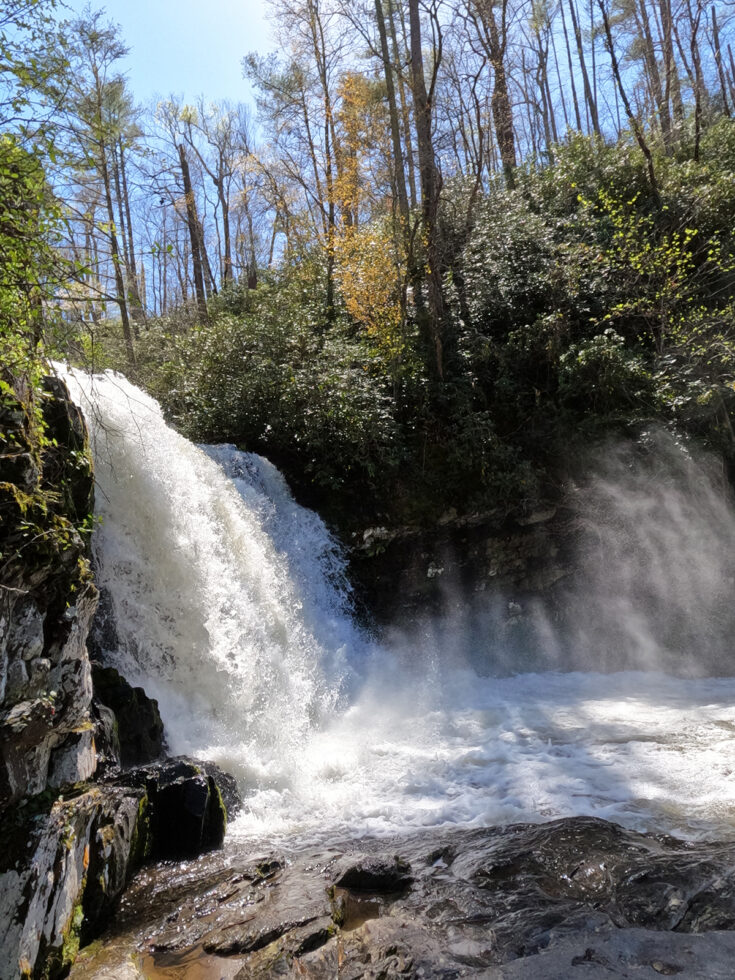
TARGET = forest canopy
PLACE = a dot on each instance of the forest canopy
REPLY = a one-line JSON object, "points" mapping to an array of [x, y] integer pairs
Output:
{"points": [[453, 242]]}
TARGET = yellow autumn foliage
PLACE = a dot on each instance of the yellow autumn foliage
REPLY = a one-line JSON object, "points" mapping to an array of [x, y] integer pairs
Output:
{"points": [[369, 279]]}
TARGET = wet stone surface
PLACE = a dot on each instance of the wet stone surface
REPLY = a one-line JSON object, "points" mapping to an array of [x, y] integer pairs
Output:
{"points": [[574, 898]]}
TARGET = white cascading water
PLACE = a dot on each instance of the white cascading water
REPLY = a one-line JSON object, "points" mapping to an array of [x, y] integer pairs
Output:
{"points": [[231, 609]]}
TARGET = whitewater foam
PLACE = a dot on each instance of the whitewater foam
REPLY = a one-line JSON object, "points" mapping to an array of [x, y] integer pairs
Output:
{"points": [[232, 609]]}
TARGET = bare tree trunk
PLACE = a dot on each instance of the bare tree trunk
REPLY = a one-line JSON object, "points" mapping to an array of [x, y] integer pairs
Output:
{"points": [[405, 111], [493, 40], [628, 111], [399, 172], [252, 260], [429, 186], [695, 21], [143, 284], [542, 82], [500, 103], [210, 283], [530, 105], [117, 261], [166, 263], [136, 291], [577, 114], [649, 54], [329, 300], [718, 61], [558, 78], [163, 265], [226, 230], [320, 57], [120, 221], [672, 88], [549, 103], [732, 73], [593, 53], [193, 224], [155, 292], [272, 246], [591, 104]]}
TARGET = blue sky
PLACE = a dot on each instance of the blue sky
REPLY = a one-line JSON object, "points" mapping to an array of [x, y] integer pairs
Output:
{"points": [[187, 47]]}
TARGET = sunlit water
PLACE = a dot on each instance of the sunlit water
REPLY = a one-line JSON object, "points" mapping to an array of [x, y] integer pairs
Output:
{"points": [[232, 609]]}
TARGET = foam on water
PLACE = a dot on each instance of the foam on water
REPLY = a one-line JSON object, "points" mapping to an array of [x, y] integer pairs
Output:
{"points": [[231, 607]]}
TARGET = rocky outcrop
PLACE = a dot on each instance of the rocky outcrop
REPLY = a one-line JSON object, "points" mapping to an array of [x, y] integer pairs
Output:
{"points": [[630, 569], [402, 573], [64, 863], [47, 599], [138, 727], [66, 860], [575, 897], [187, 814], [70, 847]]}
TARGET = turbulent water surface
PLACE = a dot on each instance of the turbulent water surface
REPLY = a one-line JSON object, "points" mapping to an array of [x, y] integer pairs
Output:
{"points": [[231, 608]]}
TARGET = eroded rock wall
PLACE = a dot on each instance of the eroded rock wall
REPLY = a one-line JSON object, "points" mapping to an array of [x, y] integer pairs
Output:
{"points": [[66, 862], [47, 598], [401, 574]]}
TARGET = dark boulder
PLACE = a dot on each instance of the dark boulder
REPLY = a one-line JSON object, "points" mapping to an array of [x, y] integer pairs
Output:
{"points": [[226, 784], [187, 812], [376, 874], [139, 725]]}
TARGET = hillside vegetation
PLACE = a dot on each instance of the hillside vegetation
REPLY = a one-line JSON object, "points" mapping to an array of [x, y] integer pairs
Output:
{"points": [[443, 262], [578, 304]]}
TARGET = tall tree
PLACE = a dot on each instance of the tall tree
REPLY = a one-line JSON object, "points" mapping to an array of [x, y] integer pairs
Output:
{"points": [[399, 172], [195, 237], [430, 187], [635, 125], [718, 60], [588, 94], [493, 33], [94, 126]]}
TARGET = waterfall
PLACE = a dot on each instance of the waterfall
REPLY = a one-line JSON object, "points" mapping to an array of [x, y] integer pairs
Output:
{"points": [[229, 601], [232, 608]]}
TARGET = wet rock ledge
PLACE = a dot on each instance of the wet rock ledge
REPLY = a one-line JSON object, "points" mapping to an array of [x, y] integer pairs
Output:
{"points": [[573, 899]]}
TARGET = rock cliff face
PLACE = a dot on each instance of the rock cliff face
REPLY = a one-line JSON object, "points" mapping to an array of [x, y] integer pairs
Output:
{"points": [[80, 848], [403, 573], [70, 846], [47, 599]]}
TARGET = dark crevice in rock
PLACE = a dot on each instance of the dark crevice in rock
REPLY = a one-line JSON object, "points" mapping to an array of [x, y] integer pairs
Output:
{"points": [[139, 727]]}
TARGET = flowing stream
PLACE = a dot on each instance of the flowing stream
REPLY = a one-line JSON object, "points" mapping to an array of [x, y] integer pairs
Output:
{"points": [[231, 607]]}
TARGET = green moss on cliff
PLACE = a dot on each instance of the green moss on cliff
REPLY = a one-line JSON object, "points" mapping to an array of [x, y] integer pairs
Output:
{"points": [[46, 483]]}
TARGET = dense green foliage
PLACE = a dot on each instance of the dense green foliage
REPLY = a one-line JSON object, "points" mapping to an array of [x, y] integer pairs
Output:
{"points": [[579, 305], [29, 267], [45, 471], [581, 298]]}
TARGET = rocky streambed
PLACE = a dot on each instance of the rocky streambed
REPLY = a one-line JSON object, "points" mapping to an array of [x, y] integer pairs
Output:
{"points": [[575, 898]]}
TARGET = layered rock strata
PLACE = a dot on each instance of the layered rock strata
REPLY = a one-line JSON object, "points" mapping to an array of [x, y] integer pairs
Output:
{"points": [[578, 897]]}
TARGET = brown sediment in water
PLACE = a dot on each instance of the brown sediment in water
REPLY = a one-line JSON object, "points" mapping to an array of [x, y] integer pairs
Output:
{"points": [[192, 964]]}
